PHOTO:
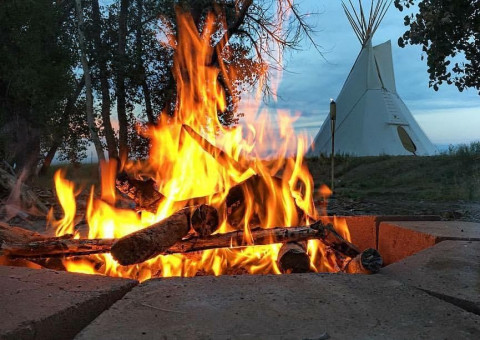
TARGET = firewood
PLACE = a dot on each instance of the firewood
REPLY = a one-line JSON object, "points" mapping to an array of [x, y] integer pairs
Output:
{"points": [[205, 220], [10, 234], [221, 156], [236, 239], [293, 258], [142, 192], [259, 189], [260, 236], [57, 248], [368, 262], [156, 239]]}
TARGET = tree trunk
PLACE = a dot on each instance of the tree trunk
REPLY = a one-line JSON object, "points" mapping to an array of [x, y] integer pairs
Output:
{"points": [[120, 90], [104, 85], [64, 123], [140, 67], [50, 155], [88, 84]]}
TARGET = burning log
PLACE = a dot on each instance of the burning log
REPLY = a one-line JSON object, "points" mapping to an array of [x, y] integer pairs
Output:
{"points": [[368, 262], [259, 190], [142, 245], [293, 258], [156, 239], [57, 248], [9, 234], [142, 192], [221, 156], [205, 220], [260, 236]]}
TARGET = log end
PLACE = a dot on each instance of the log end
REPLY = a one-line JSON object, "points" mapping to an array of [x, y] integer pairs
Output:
{"points": [[372, 260], [293, 258], [205, 220]]}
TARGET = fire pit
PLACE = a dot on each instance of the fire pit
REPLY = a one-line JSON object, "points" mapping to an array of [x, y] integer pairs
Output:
{"points": [[206, 201]]}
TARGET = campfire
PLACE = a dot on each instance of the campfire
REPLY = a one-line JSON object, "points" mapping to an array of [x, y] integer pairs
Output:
{"points": [[206, 201]]}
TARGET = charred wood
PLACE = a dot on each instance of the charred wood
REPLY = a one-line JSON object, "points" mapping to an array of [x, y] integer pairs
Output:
{"points": [[156, 239], [142, 192], [147, 243], [205, 220], [57, 248], [368, 262], [293, 258], [11, 234]]}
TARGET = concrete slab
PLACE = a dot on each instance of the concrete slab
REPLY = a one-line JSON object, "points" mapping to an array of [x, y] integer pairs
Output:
{"points": [[46, 304], [400, 239], [297, 306], [449, 270]]}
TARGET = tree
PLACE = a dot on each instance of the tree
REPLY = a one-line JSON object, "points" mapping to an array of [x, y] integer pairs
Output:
{"points": [[88, 83], [35, 77], [449, 33]]}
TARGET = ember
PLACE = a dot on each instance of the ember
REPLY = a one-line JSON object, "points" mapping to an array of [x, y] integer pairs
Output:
{"points": [[206, 202]]}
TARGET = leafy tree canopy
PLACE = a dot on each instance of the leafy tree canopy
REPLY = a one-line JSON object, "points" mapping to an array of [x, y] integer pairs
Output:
{"points": [[449, 33]]}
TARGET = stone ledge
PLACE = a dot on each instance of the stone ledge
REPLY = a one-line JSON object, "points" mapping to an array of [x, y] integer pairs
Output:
{"points": [[297, 306], [450, 270], [46, 304]]}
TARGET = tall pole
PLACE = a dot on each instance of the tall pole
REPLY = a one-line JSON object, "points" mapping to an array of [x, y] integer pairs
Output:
{"points": [[333, 117]]}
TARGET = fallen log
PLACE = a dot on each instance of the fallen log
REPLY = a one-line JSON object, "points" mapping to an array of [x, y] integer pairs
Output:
{"points": [[293, 258], [368, 262], [236, 239]]}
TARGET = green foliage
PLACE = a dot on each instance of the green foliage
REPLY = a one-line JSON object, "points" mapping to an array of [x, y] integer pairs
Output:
{"points": [[449, 33], [35, 73]]}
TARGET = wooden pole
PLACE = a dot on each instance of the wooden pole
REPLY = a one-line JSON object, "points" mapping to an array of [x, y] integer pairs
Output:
{"points": [[333, 117]]}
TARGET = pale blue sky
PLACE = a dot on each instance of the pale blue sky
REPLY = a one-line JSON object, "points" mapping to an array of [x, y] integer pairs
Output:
{"points": [[447, 116]]}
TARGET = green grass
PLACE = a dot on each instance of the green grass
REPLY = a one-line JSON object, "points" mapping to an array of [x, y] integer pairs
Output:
{"points": [[451, 176], [454, 175]]}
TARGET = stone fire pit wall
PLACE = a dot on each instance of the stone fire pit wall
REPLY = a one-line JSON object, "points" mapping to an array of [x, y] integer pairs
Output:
{"points": [[429, 289]]}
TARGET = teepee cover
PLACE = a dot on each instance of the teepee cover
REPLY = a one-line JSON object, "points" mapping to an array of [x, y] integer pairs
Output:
{"points": [[371, 118]]}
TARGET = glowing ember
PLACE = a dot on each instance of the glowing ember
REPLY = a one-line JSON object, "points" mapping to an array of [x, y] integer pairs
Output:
{"points": [[280, 192]]}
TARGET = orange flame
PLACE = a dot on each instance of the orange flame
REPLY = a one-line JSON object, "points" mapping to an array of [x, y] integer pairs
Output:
{"points": [[278, 191]]}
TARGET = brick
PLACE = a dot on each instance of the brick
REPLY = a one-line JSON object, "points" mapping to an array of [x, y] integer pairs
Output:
{"points": [[362, 231], [46, 304]]}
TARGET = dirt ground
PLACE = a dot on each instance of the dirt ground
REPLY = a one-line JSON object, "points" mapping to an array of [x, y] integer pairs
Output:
{"points": [[457, 210]]}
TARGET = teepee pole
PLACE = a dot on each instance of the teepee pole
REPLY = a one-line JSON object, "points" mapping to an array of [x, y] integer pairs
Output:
{"points": [[333, 118], [365, 29]]}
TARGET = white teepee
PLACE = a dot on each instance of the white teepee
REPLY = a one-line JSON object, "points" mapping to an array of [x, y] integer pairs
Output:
{"points": [[371, 119]]}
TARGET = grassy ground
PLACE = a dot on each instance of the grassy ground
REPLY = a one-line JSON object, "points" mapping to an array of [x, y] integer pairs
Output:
{"points": [[446, 185], [437, 178]]}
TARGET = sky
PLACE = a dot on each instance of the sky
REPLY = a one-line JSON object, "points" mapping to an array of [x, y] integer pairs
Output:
{"points": [[310, 80]]}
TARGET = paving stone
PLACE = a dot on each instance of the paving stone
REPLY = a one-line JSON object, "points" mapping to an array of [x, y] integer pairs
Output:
{"points": [[362, 231], [400, 239], [449, 270], [297, 306], [46, 304]]}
